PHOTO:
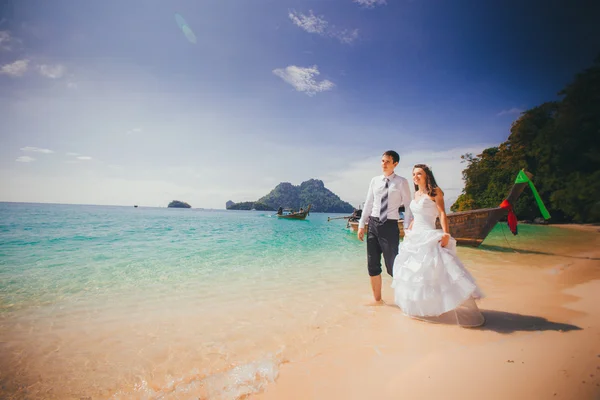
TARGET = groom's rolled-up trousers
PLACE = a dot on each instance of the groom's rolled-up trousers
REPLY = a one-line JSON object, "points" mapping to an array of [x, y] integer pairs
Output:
{"points": [[382, 238]]}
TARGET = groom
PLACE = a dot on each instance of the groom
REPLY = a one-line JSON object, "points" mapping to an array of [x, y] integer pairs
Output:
{"points": [[386, 194]]}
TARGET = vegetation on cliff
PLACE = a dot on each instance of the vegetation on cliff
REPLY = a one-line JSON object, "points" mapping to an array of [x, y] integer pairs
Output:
{"points": [[559, 143], [287, 195], [250, 205]]}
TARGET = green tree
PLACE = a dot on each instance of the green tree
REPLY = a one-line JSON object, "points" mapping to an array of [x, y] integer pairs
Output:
{"points": [[559, 143]]}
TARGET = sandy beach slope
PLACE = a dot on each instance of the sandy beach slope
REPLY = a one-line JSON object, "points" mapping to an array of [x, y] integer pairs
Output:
{"points": [[541, 341]]}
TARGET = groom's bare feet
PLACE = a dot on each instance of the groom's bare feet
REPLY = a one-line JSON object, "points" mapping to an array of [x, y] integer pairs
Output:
{"points": [[376, 286], [376, 303]]}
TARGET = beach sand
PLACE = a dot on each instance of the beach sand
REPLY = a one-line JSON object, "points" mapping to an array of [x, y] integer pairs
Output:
{"points": [[314, 337], [541, 340]]}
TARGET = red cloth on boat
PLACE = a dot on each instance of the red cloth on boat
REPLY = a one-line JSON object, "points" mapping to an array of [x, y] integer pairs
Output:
{"points": [[512, 218]]}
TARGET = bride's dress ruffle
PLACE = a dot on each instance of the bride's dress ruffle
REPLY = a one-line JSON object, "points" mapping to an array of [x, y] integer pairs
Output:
{"points": [[429, 280]]}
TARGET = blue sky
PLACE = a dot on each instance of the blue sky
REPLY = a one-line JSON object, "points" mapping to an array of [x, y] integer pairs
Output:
{"points": [[107, 102]]}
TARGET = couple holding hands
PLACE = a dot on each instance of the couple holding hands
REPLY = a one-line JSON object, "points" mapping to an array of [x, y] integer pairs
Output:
{"points": [[429, 280]]}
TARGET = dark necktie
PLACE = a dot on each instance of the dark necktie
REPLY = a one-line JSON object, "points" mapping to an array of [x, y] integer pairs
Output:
{"points": [[384, 203]]}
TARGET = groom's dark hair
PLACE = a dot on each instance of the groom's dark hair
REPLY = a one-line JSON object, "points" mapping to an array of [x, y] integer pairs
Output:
{"points": [[392, 154]]}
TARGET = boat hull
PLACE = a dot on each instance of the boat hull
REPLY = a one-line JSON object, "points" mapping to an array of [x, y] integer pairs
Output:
{"points": [[303, 216], [298, 215], [470, 228]]}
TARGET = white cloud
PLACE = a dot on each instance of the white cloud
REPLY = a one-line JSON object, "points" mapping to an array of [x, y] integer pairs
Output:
{"points": [[52, 71], [513, 110], [72, 85], [77, 156], [303, 79], [134, 130], [20, 67], [370, 3], [346, 36], [312, 23], [25, 159], [37, 150], [5, 40], [17, 68]]}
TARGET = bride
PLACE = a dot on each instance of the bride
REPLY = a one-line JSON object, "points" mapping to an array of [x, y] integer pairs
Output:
{"points": [[429, 281]]}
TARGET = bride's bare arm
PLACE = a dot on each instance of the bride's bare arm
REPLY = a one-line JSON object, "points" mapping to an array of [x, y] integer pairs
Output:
{"points": [[439, 202], [412, 221]]}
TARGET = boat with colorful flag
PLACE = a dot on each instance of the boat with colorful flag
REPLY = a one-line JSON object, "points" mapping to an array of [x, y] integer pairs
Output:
{"points": [[470, 228]]}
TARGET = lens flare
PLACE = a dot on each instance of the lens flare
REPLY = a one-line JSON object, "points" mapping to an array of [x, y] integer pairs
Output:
{"points": [[180, 21], [187, 31], [189, 34]]}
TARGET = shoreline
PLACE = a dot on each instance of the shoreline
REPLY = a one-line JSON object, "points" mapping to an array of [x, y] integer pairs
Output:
{"points": [[301, 337], [579, 227], [540, 340]]}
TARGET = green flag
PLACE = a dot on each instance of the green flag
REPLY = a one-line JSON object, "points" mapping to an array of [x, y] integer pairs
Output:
{"points": [[522, 178]]}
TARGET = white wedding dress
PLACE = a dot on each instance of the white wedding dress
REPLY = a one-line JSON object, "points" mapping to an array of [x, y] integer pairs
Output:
{"points": [[430, 282]]}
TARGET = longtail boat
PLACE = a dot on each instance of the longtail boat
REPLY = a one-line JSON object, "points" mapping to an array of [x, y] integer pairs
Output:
{"points": [[470, 228], [294, 215]]}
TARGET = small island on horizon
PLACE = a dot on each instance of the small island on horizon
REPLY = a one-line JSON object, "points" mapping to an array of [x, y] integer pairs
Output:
{"points": [[178, 204]]}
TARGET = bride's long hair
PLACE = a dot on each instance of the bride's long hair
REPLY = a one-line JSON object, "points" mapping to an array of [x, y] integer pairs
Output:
{"points": [[430, 182]]}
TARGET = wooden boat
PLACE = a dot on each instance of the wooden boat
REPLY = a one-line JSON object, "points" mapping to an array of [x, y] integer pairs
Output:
{"points": [[286, 214], [470, 228]]}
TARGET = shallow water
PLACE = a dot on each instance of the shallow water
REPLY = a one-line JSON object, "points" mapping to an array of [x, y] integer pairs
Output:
{"points": [[123, 302]]}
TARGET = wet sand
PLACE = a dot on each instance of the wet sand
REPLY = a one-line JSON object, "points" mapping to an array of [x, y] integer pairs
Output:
{"points": [[541, 340]]}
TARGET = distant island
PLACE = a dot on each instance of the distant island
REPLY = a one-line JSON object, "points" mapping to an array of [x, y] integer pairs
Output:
{"points": [[178, 204], [287, 195]]}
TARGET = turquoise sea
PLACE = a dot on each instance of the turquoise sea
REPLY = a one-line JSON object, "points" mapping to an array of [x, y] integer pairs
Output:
{"points": [[123, 302]]}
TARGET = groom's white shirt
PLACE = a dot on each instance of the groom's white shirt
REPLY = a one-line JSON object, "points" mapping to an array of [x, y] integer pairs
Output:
{"points": [[398, 195]]}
